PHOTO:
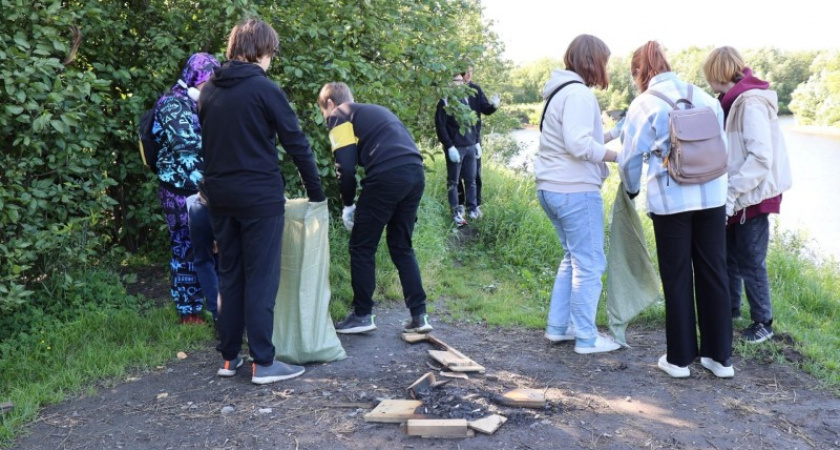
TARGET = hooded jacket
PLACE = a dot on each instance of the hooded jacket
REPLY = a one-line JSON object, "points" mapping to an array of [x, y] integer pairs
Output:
{"points": [[243, 114], [449, 130], [571, 151], [759, 167]]}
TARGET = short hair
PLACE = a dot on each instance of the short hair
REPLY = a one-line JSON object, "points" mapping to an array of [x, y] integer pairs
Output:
{"points": [[251, 40], [647, 62], [336, 91], [724, 64], [587, 56]]}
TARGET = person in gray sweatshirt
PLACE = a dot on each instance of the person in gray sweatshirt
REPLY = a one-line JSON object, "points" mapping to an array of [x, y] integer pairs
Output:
{"points": [[570, 168]]}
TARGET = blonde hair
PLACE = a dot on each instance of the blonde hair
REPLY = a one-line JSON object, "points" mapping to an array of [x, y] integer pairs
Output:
{"points": [[724, 64], [587, 56]]}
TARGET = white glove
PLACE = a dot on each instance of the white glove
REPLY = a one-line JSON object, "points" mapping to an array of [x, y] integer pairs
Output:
{"points": [[477, 151], [347, 216], [495, 100], [454, 156]]}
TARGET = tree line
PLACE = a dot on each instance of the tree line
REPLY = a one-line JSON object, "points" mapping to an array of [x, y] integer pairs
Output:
{"points": [[807, 82]]}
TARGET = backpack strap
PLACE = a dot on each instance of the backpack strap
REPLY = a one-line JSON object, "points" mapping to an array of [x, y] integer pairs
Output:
{"points": [[687, 101], [548, 100]]}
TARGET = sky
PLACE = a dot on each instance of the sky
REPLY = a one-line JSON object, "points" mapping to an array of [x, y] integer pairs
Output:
{"points": [[533, 29]]}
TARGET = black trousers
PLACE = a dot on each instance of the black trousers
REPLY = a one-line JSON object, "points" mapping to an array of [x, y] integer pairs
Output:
{"points": [[391, 200], [692, 265], [249, 277], [461, 198]]}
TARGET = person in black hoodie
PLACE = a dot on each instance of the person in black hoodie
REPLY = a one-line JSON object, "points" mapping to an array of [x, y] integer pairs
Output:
{"points": [[372, 137], [242, 114], [459, 148], [480, 105]]}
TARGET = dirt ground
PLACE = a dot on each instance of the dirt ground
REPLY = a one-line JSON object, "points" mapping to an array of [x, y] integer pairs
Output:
{"points": [[618, 400]]}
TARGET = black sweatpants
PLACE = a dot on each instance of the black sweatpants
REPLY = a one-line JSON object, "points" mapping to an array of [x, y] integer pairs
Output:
{"points": [[389, 199], [692, 265]]}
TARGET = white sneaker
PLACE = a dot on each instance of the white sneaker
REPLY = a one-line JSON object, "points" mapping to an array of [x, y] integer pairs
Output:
{"points": [[717, 368], [553, 334], [672, 370], [602, 344]]}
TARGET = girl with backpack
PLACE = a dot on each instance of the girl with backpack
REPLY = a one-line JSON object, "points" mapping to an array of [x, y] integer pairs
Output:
{"points": [[688, 222]]}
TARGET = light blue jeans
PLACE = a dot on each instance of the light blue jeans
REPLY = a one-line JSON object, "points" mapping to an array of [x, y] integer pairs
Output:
{"points": [[579, 220]]}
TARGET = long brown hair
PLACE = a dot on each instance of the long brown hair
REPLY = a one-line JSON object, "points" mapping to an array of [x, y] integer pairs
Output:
{"points": [[587, 56], [648, 61]]}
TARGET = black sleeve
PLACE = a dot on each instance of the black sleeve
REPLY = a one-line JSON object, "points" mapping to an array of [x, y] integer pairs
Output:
{"points": [[296, 144], [440, 126], [484, 105]]}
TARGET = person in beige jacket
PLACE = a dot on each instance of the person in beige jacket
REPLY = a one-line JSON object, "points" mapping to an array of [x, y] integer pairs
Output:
{"points": [[759, 172]]}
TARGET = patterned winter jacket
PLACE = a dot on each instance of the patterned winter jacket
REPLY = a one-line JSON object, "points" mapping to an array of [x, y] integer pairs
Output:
{"points": [[181, 160]]}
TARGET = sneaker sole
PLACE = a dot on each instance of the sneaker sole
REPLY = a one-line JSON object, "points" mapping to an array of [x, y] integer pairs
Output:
{"points": [[276, 378], [590, 350], [356, 330], [222, 372], [758, 340], [721, 372], [559, 338], [423, 329], [673, 373]]}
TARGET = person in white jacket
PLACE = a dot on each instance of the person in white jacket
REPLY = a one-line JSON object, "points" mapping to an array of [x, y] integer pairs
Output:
{"points": [[759, 171], [570, 168]]}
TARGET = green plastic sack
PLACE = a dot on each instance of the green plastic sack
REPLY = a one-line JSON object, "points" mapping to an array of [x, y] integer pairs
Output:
{"points": [[303, 329], [632, 281]]}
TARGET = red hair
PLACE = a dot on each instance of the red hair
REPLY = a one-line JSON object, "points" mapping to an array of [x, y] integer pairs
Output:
{"points": [[648, 61]]}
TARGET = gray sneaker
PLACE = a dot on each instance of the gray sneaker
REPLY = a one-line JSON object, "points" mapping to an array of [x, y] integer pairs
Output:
{"points": [[418, 324], [228, 368], [353, 324], [277, 371]]}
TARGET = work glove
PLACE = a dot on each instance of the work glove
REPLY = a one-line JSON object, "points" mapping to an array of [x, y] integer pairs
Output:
{"points": [[495, 100], [454, 156], [347, 216], [477, 151]]}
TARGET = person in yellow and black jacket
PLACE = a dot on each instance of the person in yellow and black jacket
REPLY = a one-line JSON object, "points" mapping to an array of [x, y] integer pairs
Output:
{"points": [[372, 137]]}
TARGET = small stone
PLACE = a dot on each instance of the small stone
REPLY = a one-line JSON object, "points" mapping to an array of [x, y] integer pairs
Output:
{"points": [[228, 409], [182, 355], [265, 410]]}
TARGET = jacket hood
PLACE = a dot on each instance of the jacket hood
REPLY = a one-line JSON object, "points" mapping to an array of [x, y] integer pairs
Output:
{"points": [[769, 97], [234, 72], [557, 78]]}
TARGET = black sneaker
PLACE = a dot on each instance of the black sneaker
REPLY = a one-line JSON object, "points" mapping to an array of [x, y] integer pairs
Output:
{"points": [[417, 324], [757, 333], [353, 324]]}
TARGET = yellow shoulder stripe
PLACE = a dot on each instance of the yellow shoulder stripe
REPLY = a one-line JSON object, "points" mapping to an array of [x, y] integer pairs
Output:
{"points": [[342, 136]]}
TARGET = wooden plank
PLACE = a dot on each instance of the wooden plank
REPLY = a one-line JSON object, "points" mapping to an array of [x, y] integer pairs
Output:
{"points": [[458, 375], [393, 411], [525, 398], [413, 338], [487, 425], [426, 382], [454, 362], [438, 428]]}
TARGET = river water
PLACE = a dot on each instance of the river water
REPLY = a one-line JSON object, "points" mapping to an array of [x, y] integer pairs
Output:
{"points": [[808, 207]]}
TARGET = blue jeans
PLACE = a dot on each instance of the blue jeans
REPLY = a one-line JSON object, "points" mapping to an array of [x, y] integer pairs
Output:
{"points": [[579, 220], [746, 256], [204, 260]]}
